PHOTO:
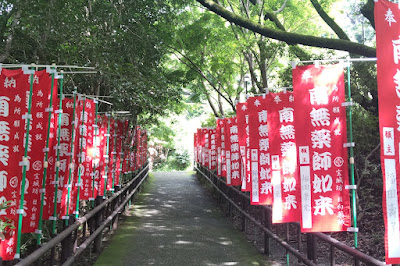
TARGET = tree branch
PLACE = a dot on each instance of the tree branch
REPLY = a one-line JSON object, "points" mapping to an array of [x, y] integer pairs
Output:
{"points": [[281, 9], [288, 37], [368, 12], [248, 57], [194, 67], [210, 102], [271, 16], [329, 21], [366, 163]]}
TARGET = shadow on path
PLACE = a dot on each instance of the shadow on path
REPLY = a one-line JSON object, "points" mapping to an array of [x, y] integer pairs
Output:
{"points": [[175, 222]]}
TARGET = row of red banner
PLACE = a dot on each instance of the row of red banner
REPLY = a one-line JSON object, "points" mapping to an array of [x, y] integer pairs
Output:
{"points": [[288, 149], [81, 155], [387, 19]]}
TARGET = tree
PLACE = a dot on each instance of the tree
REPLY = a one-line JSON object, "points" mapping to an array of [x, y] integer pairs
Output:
{"points": [[209, 57], [277, 33], [120, 38]]}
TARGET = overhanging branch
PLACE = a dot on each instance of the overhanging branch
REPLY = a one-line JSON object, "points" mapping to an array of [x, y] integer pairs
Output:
{"points": [[288, 37], [329, 21]]}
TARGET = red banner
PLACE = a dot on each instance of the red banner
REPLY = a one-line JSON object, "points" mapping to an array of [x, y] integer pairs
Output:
{"points": [[120, 139], [195, 147], [320, 123], [132, 144], [13, 87], [144, 148], [126, 143], [48, 207], [232, 153], [243, 133], [111, 156], [51, 172], [261, 186], [206, 147], [223, 147], [102, 141], [201, 145], [227, 143], [387, 19], [219, 134], [37, 143], [138, 147], [213, 149], [285, 181], [72, 178], [86, 165]]}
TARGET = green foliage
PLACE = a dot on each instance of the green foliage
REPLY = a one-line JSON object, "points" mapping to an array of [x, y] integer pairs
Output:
{"points": [[162, 133], [178, 160], [5, 224], [122, 39], [211, 121]]}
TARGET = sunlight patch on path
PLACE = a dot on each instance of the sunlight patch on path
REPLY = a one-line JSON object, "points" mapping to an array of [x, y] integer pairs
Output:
{"points": [[177, 223]]}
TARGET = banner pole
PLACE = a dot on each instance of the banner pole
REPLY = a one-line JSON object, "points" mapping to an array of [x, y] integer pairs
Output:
{"points": [[71, 155], [96, 132], [25, 163], [57, 164], [114, 154], [45, 163], [107, 157], [80, 161], [351, 161]]}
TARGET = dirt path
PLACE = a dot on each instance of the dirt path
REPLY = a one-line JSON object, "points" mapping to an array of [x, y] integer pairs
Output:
{"points": [[175, 222]]}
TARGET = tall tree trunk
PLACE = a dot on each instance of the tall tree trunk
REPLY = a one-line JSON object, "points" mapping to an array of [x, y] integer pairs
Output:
{"points": [[220, 106], [263, 65], [210, 102]]}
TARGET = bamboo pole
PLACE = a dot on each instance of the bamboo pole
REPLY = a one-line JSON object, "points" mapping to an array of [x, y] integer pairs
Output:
{"points": [[371, 59], [80, 161], [114, 154], [351, 161], [107, 156], [57, 164], [25, 163], [96, 132], [44, 66]]}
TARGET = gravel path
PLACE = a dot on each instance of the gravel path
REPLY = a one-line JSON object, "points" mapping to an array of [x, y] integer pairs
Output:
{"points": [[175, 222]]}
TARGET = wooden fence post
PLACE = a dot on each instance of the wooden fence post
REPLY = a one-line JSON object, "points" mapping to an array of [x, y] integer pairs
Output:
{"points": [[98, 220], [311, 247], [67, 244], [268, 224], [116, 203], [243, 225]]}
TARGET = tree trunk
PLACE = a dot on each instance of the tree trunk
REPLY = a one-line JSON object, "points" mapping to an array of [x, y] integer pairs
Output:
{"points": [[211, 103]]}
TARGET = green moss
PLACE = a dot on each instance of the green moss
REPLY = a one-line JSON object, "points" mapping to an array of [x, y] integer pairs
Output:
{"points": [[119, 244]]}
